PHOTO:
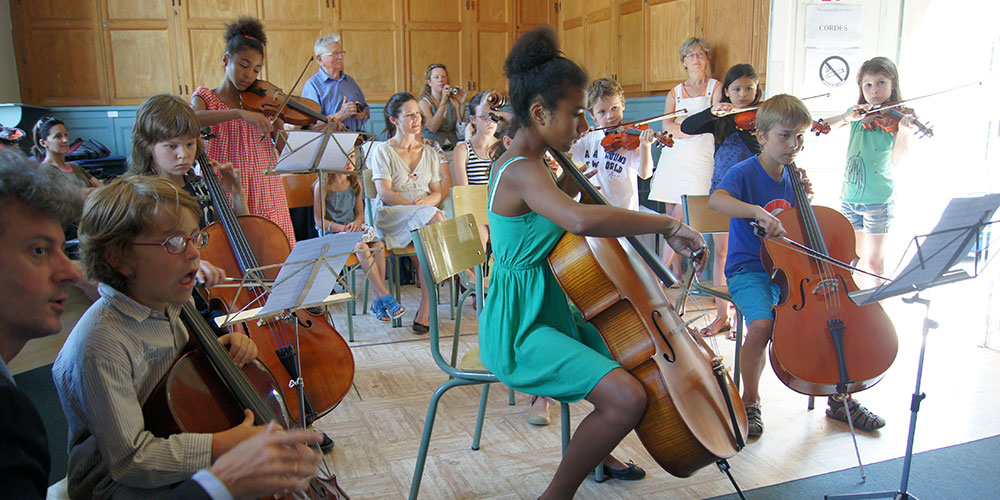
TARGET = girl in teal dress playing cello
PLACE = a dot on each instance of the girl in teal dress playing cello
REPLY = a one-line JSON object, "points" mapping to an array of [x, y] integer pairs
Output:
{"points": [[528, 335]]}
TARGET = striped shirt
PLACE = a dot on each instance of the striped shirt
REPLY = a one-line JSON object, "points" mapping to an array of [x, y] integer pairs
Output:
{"points": [[476, 168], [106, 370]]}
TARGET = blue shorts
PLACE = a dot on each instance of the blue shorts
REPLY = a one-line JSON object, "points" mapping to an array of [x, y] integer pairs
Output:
{"points": [[754, 294], [873, 218]]}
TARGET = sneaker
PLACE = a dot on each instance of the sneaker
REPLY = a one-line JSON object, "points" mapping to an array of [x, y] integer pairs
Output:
{"points": [[755, 424], [862, 417]]}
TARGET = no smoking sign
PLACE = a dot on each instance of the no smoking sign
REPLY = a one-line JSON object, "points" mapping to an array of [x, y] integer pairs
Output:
{"points": [[833, 71]]}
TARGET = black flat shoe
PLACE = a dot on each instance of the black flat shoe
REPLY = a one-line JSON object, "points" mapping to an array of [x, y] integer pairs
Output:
{"points": [[420, 328], [327, 445], [631, 472]]}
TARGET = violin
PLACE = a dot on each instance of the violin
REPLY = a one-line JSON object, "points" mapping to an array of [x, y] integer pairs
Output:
{"points": [[694, 416], [627, 137], [823, 343], [265, 97], [747, 120], [887, 119], [206, 392]]}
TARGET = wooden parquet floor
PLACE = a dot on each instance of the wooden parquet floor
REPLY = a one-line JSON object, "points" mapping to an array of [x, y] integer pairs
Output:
{"points": [[377, 427]]}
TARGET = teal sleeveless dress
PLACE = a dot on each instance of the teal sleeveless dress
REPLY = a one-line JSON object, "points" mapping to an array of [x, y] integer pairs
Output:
{"points": [[529, 336]]}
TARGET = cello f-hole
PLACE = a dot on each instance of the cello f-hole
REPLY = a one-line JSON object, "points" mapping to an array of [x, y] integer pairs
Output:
{"points": [[802, 294], [673, 355]]}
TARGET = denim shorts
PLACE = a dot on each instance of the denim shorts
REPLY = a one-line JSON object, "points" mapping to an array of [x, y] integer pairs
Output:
{"points": [[754, 294], [874, 218]]}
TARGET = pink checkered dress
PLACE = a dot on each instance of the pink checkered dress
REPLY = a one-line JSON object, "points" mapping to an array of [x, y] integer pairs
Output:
{"points": [[237, 141]]}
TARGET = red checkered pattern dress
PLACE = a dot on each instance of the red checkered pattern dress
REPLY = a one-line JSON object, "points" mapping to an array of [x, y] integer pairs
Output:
{"points": [[237, 141]]}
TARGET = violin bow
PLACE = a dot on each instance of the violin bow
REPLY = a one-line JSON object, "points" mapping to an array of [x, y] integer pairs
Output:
{"points": [[795, 246], [682, 111], [932, 94], [752, 108], [288, 95]]}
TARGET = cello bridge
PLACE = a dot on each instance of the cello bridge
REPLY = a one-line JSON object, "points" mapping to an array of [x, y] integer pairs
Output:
{"points": [[832, 284]]}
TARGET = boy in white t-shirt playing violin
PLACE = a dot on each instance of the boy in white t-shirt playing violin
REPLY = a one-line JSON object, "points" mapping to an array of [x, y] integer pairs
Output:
{"points": [[618, 169]]}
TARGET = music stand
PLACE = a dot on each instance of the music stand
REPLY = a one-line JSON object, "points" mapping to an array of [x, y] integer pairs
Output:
{"points": [[308, 153], [936, 254], [304, 280]]}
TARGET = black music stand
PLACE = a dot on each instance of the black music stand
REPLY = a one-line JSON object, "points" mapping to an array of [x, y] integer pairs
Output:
{"points": [[937, 252]]}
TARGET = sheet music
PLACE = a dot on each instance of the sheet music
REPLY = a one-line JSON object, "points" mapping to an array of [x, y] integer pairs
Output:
{"points": [[303, 145], [952, 237], [332, 251]]}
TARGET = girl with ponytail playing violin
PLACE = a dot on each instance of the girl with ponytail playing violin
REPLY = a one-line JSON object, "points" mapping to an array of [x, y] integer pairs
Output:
{"points": [[528, 335], [238, 131], [867, 195], [740, 89]]}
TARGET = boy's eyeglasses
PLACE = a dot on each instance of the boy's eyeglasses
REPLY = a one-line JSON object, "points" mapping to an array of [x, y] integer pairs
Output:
{"points": [[177, 244]]}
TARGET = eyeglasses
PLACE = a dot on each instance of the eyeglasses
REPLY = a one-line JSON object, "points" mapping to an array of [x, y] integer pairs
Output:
{"points": [[695, 55], [333, 54], [177, 244]]}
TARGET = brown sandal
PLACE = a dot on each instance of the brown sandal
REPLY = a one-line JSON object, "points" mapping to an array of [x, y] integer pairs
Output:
{"points": [[714, 328]]}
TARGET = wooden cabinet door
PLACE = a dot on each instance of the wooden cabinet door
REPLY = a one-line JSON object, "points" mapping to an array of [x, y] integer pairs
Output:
{"points": [[201, 28], [140, 50], [292, 28], [534, 13], [433, 34], [571, 30], [492, 36], [371, 34], [670, 23], [632, 61], [600, 39], [59, 48], [735, 46]]}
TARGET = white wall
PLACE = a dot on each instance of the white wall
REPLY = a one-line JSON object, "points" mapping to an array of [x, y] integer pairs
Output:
{"points": [[9, 90]]}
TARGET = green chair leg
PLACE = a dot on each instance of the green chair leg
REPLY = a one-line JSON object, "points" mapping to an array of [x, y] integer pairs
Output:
{"points": [[479, 418], [564, 420], [428, 429], [396, 287], [510, 397]]}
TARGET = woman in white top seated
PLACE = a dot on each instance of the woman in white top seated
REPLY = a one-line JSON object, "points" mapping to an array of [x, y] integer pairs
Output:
{"points": [[407, 177]]}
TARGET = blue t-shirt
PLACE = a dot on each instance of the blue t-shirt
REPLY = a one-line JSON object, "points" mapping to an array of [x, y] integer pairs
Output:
{"points": [[748, 182], [330, 92]]}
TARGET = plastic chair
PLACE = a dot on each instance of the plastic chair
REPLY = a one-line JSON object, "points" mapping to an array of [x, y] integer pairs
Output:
{"points": [[469, 200], [445, 249]]}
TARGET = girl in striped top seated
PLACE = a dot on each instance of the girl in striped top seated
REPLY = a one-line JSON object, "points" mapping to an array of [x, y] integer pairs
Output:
{"points": [[471, 162]]}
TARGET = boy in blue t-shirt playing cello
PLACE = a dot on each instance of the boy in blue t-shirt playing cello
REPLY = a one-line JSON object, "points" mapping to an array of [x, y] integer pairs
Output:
{"points": [[755, 190]]}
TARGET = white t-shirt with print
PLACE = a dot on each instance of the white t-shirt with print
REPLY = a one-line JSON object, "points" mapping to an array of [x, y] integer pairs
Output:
{"points": [[617, 171]]}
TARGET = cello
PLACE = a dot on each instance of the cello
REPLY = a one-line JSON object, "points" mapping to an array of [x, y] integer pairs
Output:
{"points": [[206, 392], [690, 419], [235, 244], [823, 343]]}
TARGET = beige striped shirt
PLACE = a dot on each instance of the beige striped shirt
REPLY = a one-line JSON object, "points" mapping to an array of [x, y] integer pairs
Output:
{"points": [[106, 370]]}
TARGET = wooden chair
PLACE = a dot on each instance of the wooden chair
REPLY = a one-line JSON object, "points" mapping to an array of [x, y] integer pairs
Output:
{"points": [[394, 255], [444, 250], [708, 221], [705, 220], [299, 193]]}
